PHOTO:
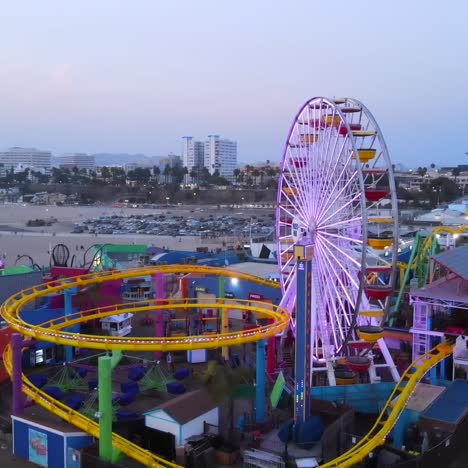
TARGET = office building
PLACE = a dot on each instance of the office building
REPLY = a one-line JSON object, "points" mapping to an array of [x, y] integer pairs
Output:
{"points": [[78, 160], [221, 155], [20, 159], [192, 153]]}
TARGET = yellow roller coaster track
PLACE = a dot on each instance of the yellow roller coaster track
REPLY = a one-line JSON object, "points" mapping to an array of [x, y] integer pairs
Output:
{"points": [[52, 331], [393, 408], [428, 242]]}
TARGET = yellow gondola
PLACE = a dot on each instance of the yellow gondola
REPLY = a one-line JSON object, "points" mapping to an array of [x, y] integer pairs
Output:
{"points": [[366, 154]]}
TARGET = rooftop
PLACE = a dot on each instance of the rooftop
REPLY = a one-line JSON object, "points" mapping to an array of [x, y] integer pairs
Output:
{"points": [[455, 260], [16, 270], [187, 407]]}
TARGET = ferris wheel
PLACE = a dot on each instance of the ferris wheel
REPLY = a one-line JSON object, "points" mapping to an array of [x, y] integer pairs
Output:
{"points": [[336, 190]]}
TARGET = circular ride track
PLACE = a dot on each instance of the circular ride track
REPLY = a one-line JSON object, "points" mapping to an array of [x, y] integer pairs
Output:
{"points": [[53, 331]]}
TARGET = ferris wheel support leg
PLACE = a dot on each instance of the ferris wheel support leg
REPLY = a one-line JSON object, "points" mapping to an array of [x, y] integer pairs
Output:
{"points": [[388, 359], [331, 374]]}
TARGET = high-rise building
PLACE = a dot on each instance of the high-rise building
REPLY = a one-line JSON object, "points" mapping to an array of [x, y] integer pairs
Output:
{"points": [[26, 158], [192, 153], [221, 155], [78, 160]]}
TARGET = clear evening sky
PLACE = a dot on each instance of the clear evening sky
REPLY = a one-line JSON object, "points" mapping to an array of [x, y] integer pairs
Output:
{"points": [[135, 76]]}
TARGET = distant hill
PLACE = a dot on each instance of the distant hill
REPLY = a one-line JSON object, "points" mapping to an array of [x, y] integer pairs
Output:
{"points": [[109, 159], [119, 159]]}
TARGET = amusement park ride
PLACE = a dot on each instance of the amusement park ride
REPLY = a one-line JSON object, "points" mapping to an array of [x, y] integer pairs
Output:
{"points": [[336, 213], [337, 193]]}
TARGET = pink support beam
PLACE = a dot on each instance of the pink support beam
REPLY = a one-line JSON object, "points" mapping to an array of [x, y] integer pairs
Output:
{"points": [[160, 294]]}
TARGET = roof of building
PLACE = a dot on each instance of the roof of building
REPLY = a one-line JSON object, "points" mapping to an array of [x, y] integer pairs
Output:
{"points": [[451, 405], [256, 268], [187, 407], [443, 290], [455, 260], [16, 270]]}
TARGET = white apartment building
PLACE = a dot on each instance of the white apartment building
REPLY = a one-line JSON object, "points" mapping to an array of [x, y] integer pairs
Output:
{"points": [[31, 158], [193, 153], [221, 155], [78, 160]]}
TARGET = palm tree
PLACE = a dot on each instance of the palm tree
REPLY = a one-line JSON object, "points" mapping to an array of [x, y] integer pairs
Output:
{"points": [[422, 171], [236, 175], [156, 173], [194, 174], [255, 174], [262, 175], [166, 173], [456, 172], [105, 173]]}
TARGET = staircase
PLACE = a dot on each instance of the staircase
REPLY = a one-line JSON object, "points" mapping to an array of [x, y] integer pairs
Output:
{"points": [[421, 340]]}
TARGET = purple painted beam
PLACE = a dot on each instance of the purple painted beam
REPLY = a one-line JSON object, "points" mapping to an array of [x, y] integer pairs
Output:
{"points": [[17, 399]]}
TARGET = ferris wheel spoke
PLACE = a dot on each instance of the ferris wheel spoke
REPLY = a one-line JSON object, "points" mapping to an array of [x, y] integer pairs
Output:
{"points": [[308, 156], [297, 179], [355, 197], [288, 263], [342, 252], [337, 156], [339, 313], [299, 213], [345, 222], [332, 272], [344, 267], [339, 236], [331, 299], [293, 215], [331, 181], [298, 201]]}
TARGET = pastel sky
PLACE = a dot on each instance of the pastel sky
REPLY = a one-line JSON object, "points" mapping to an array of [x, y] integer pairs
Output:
{"points": [[135, 76]]}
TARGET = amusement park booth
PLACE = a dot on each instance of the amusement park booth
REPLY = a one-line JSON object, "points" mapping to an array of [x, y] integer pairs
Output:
{"points": [[184, 416], [15, 279], [440, 308], [119, 256], [44, 352], [50, 443], [117, 325]]}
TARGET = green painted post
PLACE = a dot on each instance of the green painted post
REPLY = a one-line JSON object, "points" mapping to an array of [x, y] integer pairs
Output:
{"points": [[105, 407], [418, 241], [116, 357]]}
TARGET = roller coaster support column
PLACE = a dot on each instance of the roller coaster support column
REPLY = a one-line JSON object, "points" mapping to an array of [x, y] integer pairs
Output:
{"points": [[303, 364], [17, 343], [260, 383], [159, 281], [271, 355], [105, 365], [224, 316], [68, 310]]}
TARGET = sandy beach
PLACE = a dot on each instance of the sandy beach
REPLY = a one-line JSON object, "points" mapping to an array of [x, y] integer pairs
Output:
{"points": [[18, 239]]}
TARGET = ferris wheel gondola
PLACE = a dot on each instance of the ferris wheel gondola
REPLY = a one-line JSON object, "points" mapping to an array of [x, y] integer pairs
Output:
{"points": [[336, 189]]}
